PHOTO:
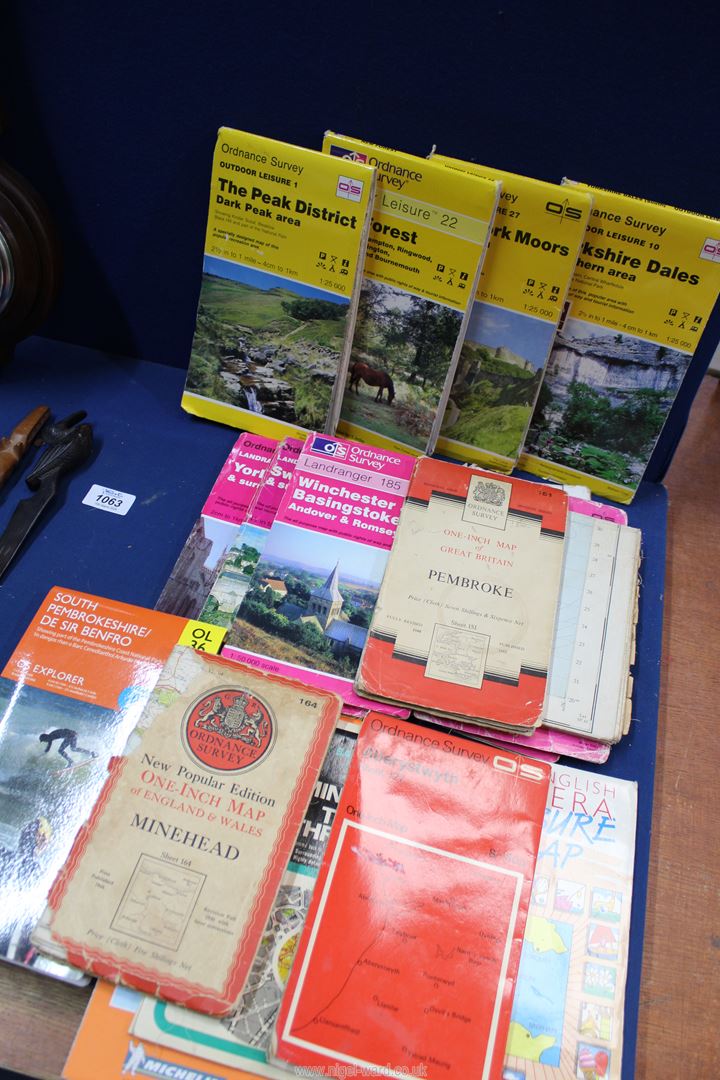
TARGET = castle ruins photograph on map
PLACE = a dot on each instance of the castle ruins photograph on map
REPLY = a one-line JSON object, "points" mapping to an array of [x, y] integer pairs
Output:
{"points": [[497, 379]]}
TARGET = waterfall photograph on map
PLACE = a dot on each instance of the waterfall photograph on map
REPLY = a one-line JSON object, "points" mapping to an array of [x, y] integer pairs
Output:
{"points": [[604, 400], [266, 343]]}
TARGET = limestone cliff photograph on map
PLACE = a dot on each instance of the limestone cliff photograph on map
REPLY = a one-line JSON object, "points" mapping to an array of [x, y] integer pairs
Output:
{"points": [[604, 401], [266, 343], [497, 379]]}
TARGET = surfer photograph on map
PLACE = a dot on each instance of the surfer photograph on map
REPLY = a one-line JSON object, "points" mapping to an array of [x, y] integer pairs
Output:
{"points": [[53, 761], [67, 740]]}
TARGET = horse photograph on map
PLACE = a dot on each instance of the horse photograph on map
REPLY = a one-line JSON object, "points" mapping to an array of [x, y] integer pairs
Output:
{"points": [[402, 351]]}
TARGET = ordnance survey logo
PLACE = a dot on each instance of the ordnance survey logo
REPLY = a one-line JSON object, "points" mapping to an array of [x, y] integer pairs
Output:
{"points": [[487, 502], [138, 1063], [349, 188], [562, 210], [711, 249], [328, 447], [488, 492], [349, 155], [229, 730]]}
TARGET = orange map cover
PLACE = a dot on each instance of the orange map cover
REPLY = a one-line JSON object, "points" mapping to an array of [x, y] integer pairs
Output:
{"points": [[410, 951], [70, 695], [104, 1049], [465, 617]]}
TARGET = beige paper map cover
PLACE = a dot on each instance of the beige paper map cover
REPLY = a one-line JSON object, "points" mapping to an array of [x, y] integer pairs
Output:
{"points": [[464, 621], [169, 885]]}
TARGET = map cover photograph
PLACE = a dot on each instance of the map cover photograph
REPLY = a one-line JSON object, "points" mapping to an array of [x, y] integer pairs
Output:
{"points": [[497, 379], [267, 343]]}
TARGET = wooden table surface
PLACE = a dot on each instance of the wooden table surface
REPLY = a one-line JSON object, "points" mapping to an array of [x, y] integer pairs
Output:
{"points": [[680, 996], [678, 1034]]}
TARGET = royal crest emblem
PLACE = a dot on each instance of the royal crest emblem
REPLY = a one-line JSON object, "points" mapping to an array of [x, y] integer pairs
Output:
{"points": [[229, 729], [489, 493]]}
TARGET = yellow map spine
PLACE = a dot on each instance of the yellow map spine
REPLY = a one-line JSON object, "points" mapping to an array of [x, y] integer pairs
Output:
{"points": [[533, 248], [428, 236], [646, 282], [285, 241]]}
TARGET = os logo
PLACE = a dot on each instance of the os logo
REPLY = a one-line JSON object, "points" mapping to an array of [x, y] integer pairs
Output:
{"points": [[349, 188], [229, 730], [563, 210], [349, 155], [523, 769], [328, 447]]}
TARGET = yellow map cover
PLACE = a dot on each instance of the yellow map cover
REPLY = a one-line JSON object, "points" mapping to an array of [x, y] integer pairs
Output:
{"points": [[533, 248], [646, 281], [285, 242], [428, 237]]}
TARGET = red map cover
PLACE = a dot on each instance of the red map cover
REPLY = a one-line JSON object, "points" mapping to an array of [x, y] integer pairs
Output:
{"points": [[465, 618], [409, 955]]}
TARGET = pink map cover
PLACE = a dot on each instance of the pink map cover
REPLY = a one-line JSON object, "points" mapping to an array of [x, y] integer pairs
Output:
{"points": [[309, 605]]}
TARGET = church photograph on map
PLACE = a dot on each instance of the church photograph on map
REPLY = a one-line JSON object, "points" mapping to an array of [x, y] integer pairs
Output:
{"points": [[310, 600]]}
